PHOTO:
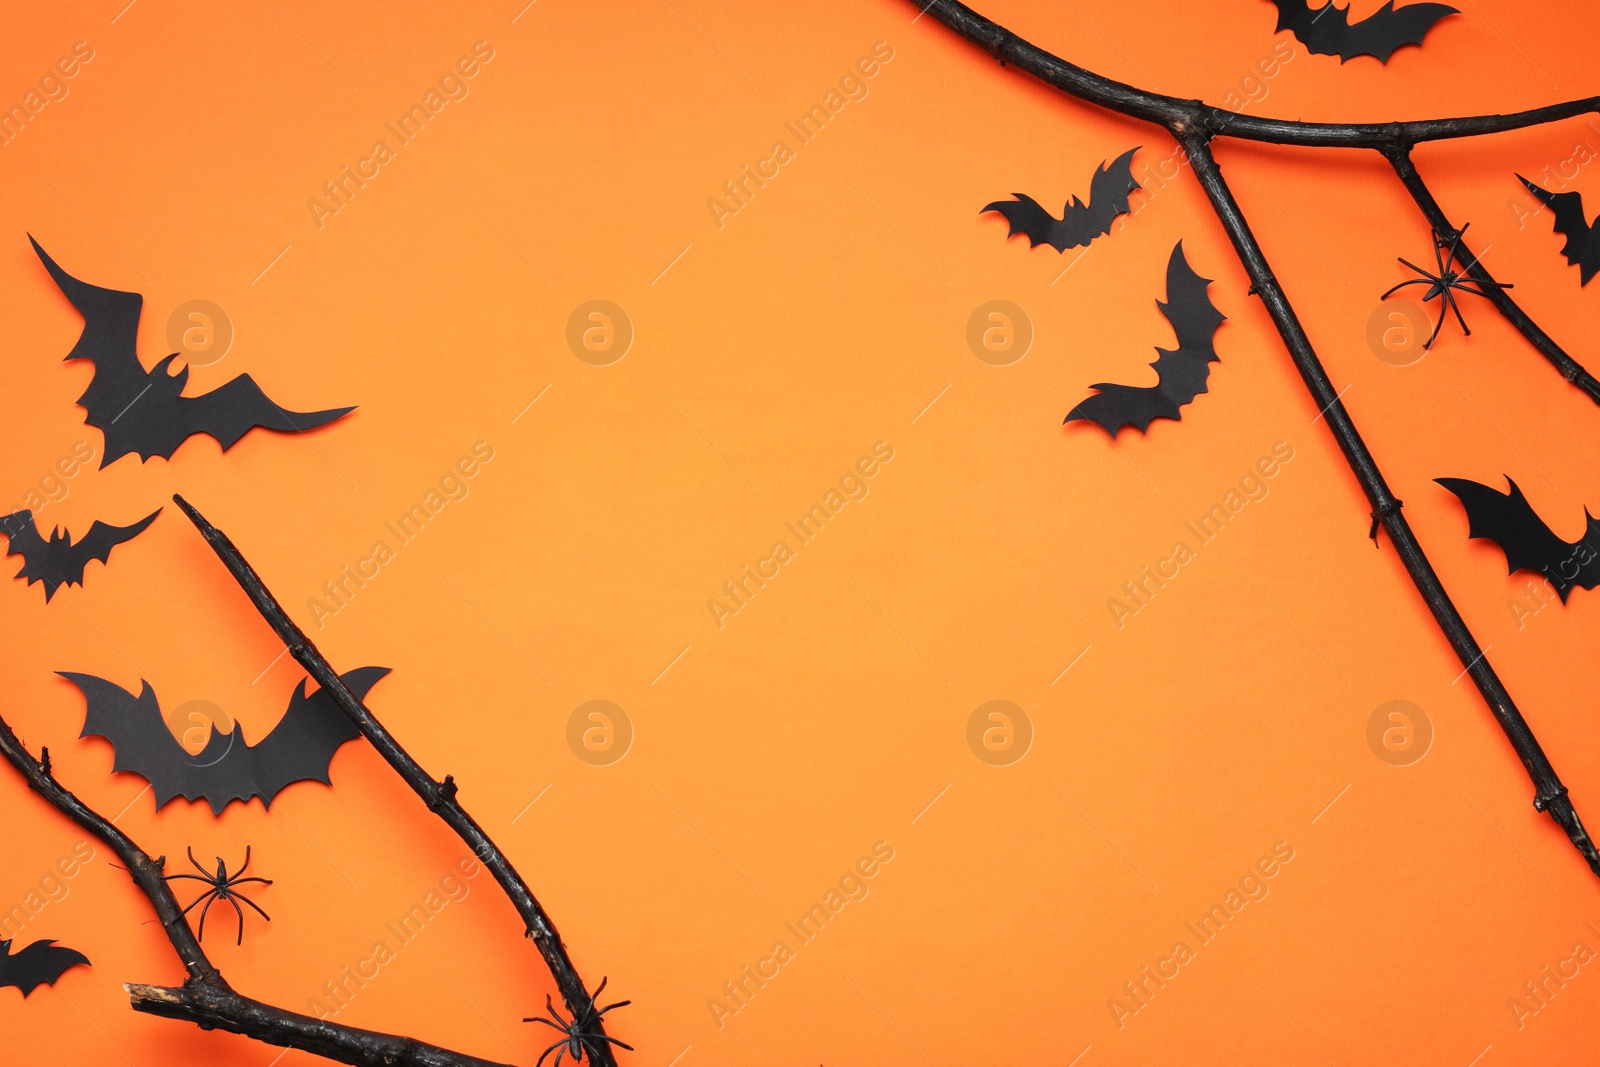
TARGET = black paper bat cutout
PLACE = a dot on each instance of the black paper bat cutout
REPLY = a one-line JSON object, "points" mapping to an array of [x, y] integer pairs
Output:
{"points": [[1583, 240], [41, 963], [1328, 31], [1180, 373], [229, 768], [1509, 521], [1080, 223], [144, 411], [60, 560]]}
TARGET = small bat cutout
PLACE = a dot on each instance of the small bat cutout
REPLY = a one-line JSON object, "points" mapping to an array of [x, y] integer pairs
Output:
{"points": [[41, 963], [60, 560], [1181, 373], [1583, 240], [229, 768], [1328, 31], [144, 411], [1080, 223], [1509, 521]]}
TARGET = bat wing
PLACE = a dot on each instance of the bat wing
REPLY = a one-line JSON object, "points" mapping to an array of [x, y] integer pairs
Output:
{"points": [[22, 539], [1582, 248], [302, 745], [109, 341], [1328, 31], [1529, 544], [237, 407], [1181, 373], [95, 545], [141, 743], [1080, 223], [41, 963]]}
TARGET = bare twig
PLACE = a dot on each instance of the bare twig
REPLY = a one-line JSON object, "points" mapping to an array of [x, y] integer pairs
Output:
{"points": [[439, 796], [1194, 124], [205, 998]]}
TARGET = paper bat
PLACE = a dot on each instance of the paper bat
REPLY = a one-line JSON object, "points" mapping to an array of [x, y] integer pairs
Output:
{"points": [[1509, 521], [41, 963], [61, 560], [229, 768], [1583, 240], [1328, 31], [144, 411], [1180, 373], [1080, 223]]}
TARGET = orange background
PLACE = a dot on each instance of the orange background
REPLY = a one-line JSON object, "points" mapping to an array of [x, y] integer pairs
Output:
{"points": [[770, 353]]}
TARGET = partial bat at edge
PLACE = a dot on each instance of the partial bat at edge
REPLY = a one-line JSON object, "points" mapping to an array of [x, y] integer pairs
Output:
{"points": [[60, 560], [229, 768], [1080, 223], [144, 411], [1583, 240], [1328, 31], [1181, 373], [40, 963], [1529, 544]]}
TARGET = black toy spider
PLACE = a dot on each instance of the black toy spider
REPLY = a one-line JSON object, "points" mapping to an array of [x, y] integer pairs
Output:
{"points": [[576, 1035], [1449, 278], [223, 887]]}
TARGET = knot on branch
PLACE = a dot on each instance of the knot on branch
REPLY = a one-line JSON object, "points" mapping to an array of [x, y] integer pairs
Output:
{"points": [[1382, 511], [1542, 801], [44, 760], [443, 793]]}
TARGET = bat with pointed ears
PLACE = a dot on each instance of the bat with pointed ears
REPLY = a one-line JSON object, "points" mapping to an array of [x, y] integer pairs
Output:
{"points": [[145, 411], [41, 963], [60, 560], [1583, 240], [1181, 373], [228, 768], [1529, 544], [1079, 223], [1328, 31]]}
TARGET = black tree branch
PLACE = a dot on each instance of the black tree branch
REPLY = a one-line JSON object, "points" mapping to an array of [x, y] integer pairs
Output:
{"points": [[1194, 124], [439, 796], [1400, 158], [205, 998]]}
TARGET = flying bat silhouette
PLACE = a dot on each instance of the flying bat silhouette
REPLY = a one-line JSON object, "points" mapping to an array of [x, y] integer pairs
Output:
{"points": [[1583, 240], [229, 768], [1180, 373], [41, 963], [1509, 521], [144, 411], [61, 560], [1328, 31], [1080, 223]]}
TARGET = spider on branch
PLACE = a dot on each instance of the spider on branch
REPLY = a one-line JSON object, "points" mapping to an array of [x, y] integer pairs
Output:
{"points": [[1446, 256], [223, 887], [576, 1035]]}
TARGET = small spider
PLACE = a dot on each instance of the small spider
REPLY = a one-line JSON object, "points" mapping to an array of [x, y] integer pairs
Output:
{"points": [[577, 1037], [223, 887], [1440, 285]]}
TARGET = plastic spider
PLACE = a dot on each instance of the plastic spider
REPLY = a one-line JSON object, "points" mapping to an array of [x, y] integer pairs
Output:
{"points": [[1440, 285], [223, 887], [576, 1035]]}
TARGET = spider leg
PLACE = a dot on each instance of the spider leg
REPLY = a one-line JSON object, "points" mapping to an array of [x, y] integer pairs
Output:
{"points": [[200, 934], [1414, 267], [193, 877], [606, 1037], [1397, 288], [246, 866], [549, 1050], [197, 900], [608, 1007], [1451, 300], [236, 908], [238, 881], [1434, 335], [197, 866], [253, 904]]}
